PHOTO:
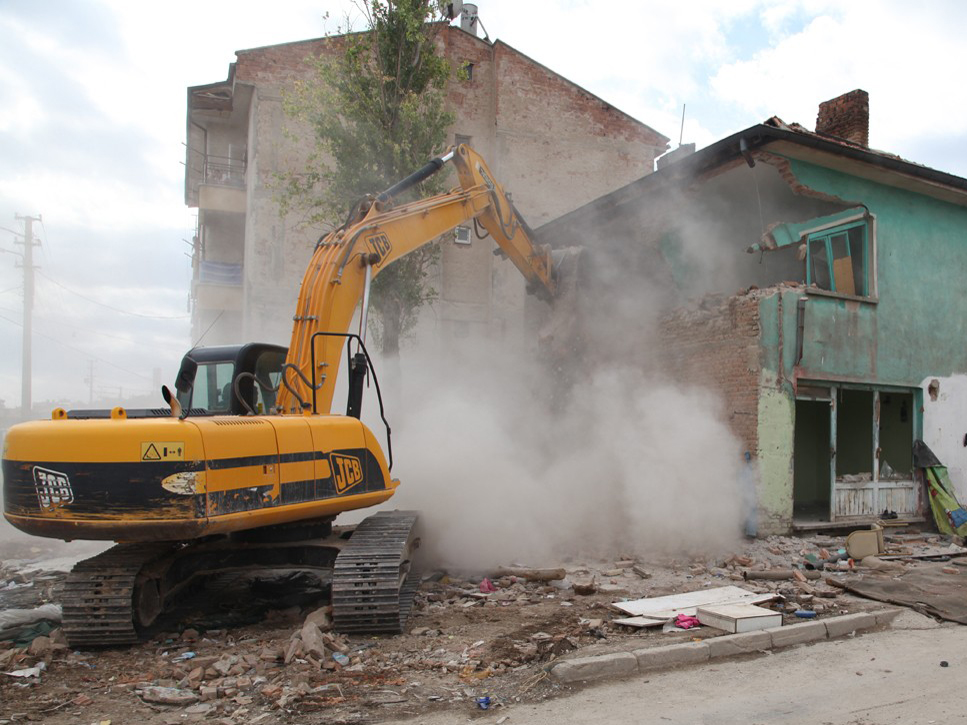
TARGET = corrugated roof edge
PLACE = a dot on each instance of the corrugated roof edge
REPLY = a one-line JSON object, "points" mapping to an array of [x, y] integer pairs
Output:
{"points": [[727, 150]]}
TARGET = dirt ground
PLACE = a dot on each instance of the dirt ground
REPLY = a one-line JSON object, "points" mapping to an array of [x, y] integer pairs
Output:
{"points": [[257, 650]]}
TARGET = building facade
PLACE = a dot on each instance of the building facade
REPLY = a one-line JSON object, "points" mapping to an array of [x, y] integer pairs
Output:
{"points": [[815, 285], [551, 143]]}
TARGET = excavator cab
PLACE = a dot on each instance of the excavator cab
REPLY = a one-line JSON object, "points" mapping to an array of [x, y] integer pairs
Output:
{"points": [[230, 379]]}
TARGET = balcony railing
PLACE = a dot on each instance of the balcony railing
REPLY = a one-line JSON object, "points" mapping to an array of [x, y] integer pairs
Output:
{"points": [[224, 171]]}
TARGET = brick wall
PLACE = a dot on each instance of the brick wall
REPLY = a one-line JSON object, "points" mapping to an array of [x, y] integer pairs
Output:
{"points": [[717, 346], [847, 117], [551, 144]]}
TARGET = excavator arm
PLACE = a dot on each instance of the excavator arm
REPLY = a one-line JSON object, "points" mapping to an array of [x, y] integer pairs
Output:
{"points": [[378, 233]]}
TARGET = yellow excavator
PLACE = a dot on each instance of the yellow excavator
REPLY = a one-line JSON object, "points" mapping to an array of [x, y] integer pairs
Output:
{"points": [[248, 466]]}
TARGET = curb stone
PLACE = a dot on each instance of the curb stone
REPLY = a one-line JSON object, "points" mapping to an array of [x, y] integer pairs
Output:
{"points": [[616, 664], [687, 653]]}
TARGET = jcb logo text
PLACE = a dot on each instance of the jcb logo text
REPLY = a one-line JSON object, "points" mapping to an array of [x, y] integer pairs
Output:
{"points": [[347, 471], [379, 245]]}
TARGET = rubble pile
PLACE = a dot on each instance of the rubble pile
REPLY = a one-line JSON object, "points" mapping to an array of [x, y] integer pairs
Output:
{"points": [[470, 638]]}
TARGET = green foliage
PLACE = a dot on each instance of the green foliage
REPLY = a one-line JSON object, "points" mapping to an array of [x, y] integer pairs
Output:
{"points": [[376, 107]]}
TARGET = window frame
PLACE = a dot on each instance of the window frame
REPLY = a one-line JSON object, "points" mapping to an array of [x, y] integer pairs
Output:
{"points": [[825, 237]]}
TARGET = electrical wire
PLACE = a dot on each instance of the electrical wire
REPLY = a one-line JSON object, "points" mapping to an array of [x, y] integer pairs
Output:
{"points": [[114, 309], [78, 350]]}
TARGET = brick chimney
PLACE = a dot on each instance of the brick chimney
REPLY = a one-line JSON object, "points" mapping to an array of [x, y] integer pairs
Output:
{"points": [[847, 117]]}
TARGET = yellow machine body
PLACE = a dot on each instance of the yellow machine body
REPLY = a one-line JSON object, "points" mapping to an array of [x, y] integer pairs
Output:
{"points": [[177, 478], [166, 479]]}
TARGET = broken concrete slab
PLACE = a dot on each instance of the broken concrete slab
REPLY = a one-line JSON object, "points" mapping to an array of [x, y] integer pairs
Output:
{"points": [[168, 696]]}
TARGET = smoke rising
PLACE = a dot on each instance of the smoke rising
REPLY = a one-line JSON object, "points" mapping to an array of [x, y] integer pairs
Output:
{"points": [[599, 453]]}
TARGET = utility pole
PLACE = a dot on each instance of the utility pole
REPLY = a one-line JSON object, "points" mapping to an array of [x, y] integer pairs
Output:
{"points": [[90, 384], [28, 267]]}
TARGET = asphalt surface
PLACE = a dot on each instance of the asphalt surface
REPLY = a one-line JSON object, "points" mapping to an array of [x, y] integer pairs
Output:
{"points": [[881, 677]]}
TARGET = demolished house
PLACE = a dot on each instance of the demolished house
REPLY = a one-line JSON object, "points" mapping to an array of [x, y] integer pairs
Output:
{"points": [[817, 285]]}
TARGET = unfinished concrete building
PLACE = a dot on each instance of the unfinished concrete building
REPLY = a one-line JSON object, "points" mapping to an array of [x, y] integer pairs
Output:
{"points": [[551, 143], [817, 285]]}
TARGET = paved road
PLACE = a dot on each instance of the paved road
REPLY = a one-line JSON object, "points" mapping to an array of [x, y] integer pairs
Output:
{"points": [[879, 678]]}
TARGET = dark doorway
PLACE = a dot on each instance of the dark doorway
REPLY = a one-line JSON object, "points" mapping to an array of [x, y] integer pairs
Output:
{"points": [[811, 456]]}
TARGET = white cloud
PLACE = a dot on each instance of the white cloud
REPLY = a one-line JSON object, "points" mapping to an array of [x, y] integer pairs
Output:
{"points": [[92, 106], [904, 55]]}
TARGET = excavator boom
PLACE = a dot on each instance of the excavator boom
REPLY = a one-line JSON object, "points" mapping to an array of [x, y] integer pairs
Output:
{"points": [[251, 455], [343, 262]]}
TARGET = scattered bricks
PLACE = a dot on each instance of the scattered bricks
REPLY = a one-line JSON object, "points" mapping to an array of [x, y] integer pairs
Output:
{"points": [[224, 665], [797, 634], [208, 693], [271, 654], [848, 624], [689, 653], [738, 644], [886, 616], [583, 669], [271, 691]]}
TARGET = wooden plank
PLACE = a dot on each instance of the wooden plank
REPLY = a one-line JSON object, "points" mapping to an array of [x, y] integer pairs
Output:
{"points": [[843, 275]]}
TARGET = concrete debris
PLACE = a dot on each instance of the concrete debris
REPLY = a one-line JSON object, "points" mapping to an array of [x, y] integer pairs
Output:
{"points": [[168, 696], [463, 641], [312, 641]]}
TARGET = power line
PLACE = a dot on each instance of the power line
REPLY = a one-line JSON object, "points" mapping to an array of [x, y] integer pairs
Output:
{"points": [[114, 309], [79, 351]]}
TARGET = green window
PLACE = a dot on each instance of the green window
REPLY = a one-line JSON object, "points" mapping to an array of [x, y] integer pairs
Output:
{"points": [[837, 259]]}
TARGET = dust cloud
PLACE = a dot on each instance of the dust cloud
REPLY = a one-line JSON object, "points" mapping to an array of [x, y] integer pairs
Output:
{"points": [[513, 459]]}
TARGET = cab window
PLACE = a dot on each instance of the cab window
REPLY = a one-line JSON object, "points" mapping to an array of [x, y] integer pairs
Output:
{"points": [[213, 387]]}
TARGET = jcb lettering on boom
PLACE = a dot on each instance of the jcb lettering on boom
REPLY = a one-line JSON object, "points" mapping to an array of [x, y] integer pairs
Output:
{"points": [[347, 471], [380, 245]]}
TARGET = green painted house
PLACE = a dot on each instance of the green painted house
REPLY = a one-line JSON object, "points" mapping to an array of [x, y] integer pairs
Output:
{"points": [[815, 285]]}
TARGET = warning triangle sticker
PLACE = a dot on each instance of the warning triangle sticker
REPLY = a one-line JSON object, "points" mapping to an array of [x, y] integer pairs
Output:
{"points": [[151, 454]]}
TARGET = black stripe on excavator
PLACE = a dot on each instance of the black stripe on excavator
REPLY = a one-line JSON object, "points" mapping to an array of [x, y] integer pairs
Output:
{"points": [[218, 464], [292, 492], [91, 489]]}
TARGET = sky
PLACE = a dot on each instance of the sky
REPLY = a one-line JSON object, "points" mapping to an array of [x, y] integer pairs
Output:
{"points": [[93, 116]]}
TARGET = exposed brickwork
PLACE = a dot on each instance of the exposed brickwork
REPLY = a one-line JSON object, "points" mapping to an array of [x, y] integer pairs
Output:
{"points": [[717, 346], [281, 63], [553, 145], [847, 117]]}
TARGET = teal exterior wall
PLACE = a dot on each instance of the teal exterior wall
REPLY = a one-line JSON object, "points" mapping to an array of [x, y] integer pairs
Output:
{"points": [[911, 331]]}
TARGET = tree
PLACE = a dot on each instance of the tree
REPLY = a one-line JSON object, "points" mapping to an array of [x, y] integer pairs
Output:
{"points": [[376, 108]]}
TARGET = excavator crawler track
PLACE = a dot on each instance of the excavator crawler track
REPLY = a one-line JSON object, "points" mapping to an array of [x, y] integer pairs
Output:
{"points": [[98, 594], [374, 580]]}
